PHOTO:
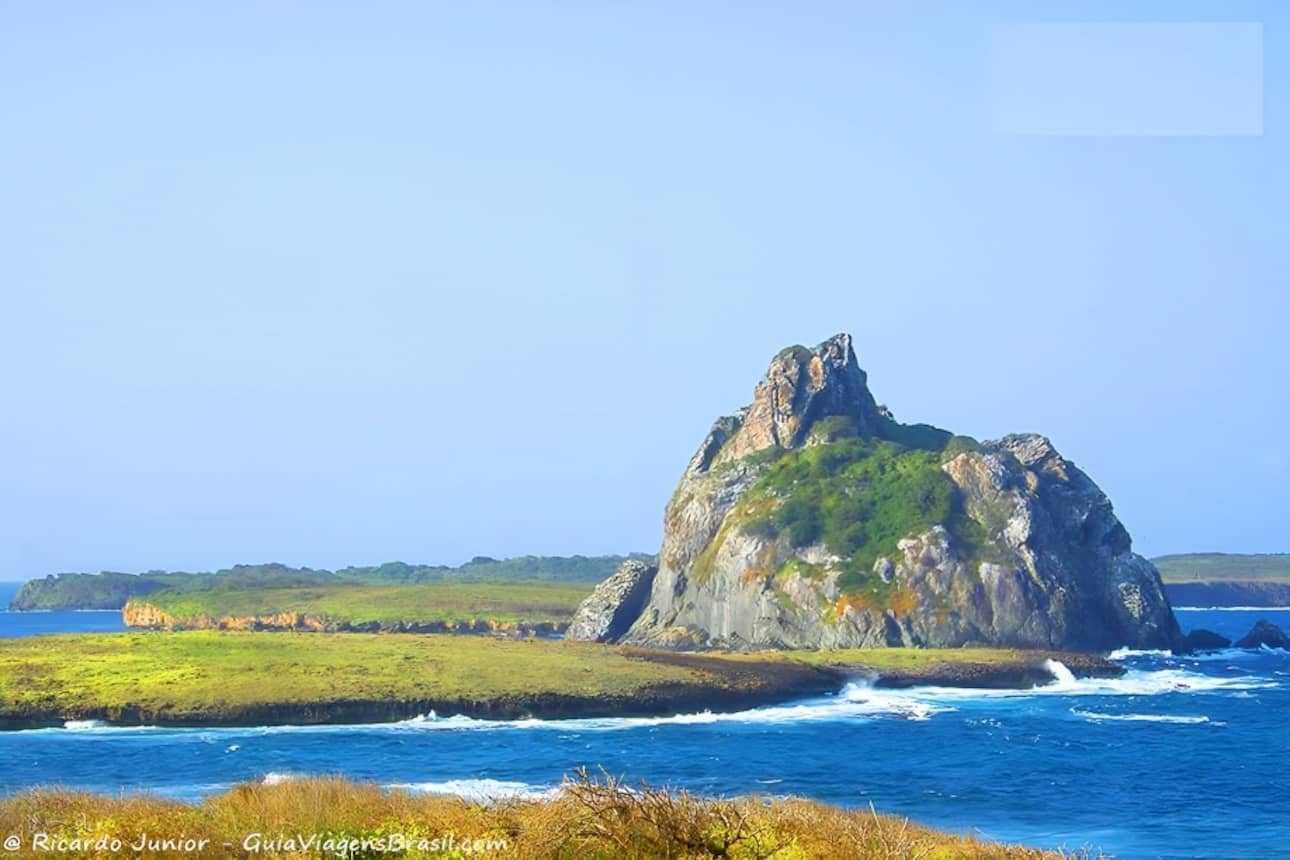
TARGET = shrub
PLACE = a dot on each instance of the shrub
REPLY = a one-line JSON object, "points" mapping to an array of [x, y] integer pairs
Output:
{"points": [[857, 497]]}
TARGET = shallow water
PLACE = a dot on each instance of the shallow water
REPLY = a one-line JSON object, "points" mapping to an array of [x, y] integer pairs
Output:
{"points": [[1182, 757]]}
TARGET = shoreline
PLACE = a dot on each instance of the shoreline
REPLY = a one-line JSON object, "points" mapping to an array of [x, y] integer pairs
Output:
{"points": [[670, 683]]}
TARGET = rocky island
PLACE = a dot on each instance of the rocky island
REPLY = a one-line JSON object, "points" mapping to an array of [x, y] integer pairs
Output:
{"points": [[813, 519]]}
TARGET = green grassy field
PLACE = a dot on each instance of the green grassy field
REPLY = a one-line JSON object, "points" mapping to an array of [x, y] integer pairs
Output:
{"points": [[1224, 567], [215, 677], [451, 602], [222, 676]]}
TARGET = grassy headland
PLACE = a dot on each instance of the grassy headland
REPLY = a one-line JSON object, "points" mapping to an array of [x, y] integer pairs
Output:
{"points": [[109, 590], [235, 678], [1223, 579], [1224, 567], [335, 607], [588, 818]]}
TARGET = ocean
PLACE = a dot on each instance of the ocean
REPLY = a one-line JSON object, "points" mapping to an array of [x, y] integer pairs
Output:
{"points": [[1181, 757], [17, 624]]}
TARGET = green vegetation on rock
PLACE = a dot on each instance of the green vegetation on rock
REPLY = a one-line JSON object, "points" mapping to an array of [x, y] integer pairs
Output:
{"points": [[856, 497]]}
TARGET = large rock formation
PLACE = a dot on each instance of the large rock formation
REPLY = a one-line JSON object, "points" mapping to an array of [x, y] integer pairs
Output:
{"points": [[607, 613], [813, 519]]}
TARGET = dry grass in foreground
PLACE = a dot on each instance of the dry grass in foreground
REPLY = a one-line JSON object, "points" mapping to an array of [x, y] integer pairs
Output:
{"points": [[589, 818]]}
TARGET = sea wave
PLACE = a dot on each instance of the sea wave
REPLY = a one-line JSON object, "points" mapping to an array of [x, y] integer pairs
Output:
{"points": [[96, 727], [1125, 653], [274, 777], [479, 790], [1145, 718], [856, 700], [1134, 682], [1231, 609], [83, 725]]}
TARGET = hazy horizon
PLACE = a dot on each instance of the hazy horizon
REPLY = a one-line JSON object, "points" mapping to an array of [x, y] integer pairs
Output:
{"points": [[331, 287]]}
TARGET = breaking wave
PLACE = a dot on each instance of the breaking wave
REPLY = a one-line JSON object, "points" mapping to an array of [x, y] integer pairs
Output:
{"points": [[855, 700], [1144, 718], [1232, 609], [1126, 653], [479, 790]]}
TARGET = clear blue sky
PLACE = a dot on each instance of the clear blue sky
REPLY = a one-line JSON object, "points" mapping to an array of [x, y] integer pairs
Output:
{"points": [[344, 283]]}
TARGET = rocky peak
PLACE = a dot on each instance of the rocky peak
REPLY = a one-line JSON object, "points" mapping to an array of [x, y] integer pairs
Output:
{"points": [[812, 518], [801, 387]]}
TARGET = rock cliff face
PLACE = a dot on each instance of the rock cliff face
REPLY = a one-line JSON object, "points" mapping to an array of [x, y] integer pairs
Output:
{"points": [[141, 614], [607, 612], [813, 519]]}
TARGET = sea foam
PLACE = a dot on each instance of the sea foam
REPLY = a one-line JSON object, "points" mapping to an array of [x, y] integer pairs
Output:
{"points": [[1143, 718], [479, 790]]}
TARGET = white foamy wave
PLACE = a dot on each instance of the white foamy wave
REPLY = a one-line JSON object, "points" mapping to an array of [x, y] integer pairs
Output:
{"points": [[1062, 676], [98, 726], [1221, 654], [1125, 653], [480, 790], [84, 725], [1134, 682], [275, 778], [1232, 609], [1144, 718], [854, 701]]}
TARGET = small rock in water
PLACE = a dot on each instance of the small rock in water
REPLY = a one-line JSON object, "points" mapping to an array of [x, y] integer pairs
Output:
{"points": [[1206, 640], [1264, 633]]}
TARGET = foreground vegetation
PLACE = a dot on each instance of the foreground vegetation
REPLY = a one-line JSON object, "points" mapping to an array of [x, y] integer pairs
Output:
{"points": [[589, 818], [236, 678], [496, 603], [1224, 567], [109, 590]]}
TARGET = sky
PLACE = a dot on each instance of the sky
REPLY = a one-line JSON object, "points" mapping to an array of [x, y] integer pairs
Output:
{"points": [[332, 284]]}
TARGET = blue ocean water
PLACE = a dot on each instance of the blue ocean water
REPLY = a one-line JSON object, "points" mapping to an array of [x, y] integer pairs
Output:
{"points": [[1182, 757], [17, 624]]}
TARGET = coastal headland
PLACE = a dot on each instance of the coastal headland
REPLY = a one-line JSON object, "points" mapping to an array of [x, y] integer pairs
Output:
{"points": [[231, 678]]}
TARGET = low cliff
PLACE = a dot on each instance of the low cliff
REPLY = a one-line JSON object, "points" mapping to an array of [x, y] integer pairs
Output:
{"points": [[813, 519], [144, 615]]}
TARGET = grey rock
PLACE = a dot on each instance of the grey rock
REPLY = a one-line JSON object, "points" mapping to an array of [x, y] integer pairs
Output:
{"points": [[606, 613], [1050, 565], [1206, 640], [1264, 633]]}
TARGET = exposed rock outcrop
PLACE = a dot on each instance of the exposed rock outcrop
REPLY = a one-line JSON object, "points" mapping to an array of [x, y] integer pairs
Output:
{"points": [[1265, 634], [813, 519], [607, 612], [145, 615], [1206, 640]]}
